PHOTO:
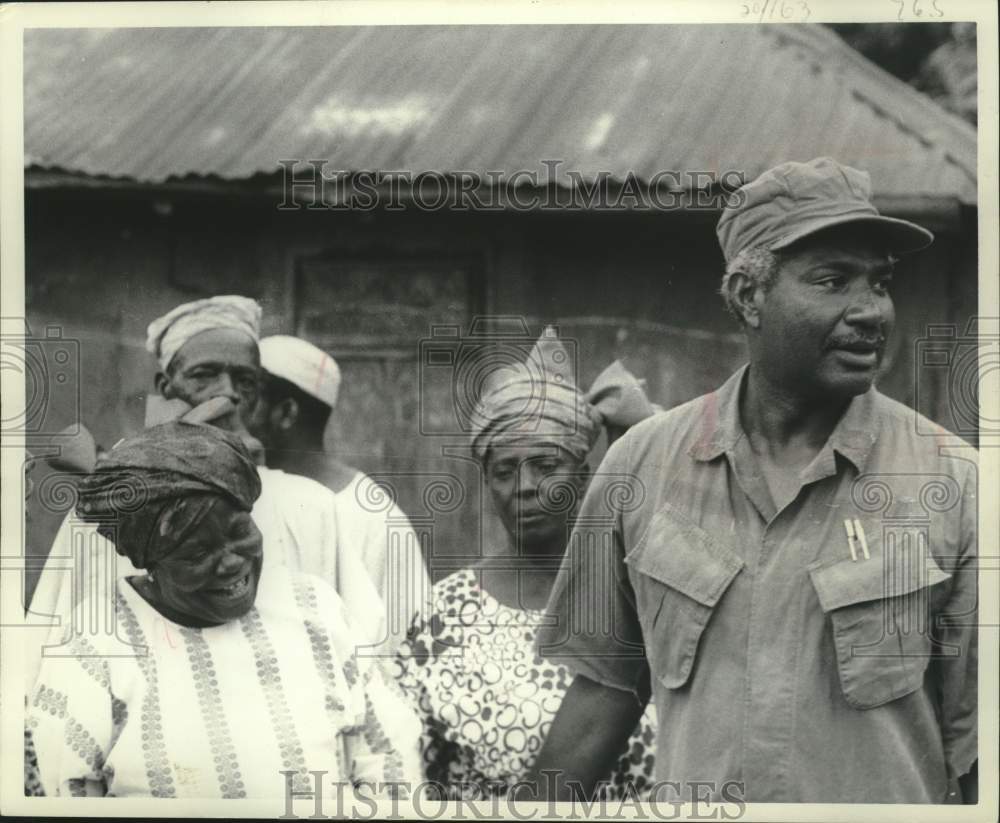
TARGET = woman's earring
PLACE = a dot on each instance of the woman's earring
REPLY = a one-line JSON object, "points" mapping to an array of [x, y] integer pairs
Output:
{"points": [[152, 579]]}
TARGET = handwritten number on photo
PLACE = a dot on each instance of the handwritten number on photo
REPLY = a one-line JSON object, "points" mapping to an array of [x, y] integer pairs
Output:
{"points": [[797, 10], [917, 8]]}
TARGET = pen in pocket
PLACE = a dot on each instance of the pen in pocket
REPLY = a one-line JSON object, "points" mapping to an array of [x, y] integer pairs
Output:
{"points": [[849, 528], [856, 537], [859, 533]]}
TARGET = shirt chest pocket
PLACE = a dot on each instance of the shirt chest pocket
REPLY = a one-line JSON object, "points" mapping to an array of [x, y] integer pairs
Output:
{"points": [[881, 618], [678, 572]]}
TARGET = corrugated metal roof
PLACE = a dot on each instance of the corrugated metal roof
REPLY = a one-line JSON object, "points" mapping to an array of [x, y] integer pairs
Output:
{"points": [[152, 104]]}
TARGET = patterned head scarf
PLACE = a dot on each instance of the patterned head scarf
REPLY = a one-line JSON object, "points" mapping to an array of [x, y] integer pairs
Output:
{"points": [[149, 490], [538, 402], [167, 334]]}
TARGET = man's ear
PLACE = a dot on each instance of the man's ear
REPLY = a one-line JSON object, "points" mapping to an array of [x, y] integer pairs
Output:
{"points": [[162, 383], [747, 298], [285, 414]]}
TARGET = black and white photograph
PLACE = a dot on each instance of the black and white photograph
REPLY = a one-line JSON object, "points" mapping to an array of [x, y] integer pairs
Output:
{"points": [[535, 410]]}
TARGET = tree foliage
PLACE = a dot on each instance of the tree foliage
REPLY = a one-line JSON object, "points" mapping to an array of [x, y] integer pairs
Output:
{"points": [[939, 59]]}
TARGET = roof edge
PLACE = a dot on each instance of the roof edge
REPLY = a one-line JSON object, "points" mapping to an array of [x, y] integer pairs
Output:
{"points": [[940, 209], [888, 92]]}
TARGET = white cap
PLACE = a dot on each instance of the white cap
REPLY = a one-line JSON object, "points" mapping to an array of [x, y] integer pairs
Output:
{"points": [[303, 365]]}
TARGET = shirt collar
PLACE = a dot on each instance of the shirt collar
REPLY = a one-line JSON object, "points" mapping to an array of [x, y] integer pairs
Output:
{"points": [[855, 433], [852, 438], [720, 420]]}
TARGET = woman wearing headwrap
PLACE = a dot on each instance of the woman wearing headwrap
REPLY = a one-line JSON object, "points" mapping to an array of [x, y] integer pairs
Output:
{"points": [[485, 697], [220, 678]]}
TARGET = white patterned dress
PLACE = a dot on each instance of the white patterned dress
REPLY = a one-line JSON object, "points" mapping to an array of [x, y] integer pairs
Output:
{"points": [[487, 699], [220, 712]]}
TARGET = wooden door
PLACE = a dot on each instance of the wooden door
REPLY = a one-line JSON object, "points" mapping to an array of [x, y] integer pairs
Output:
{"points": [[371, 313]]}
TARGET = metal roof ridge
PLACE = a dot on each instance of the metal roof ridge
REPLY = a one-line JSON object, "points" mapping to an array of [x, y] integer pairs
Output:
{"points": [[887, 91]]}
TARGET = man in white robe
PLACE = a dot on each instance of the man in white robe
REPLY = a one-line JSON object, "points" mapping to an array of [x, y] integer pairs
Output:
{"points": [[299, 393]]}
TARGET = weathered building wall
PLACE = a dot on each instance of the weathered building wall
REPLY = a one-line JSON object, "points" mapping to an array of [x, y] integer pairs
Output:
{"points": [[641, 287]]}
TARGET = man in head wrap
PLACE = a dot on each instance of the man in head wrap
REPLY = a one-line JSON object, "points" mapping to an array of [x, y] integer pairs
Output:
{"points": [[207, 354], [301, 383], [206, 349]]}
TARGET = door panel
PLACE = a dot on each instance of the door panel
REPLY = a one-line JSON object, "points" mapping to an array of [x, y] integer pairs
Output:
{"points": [[370, 314]]}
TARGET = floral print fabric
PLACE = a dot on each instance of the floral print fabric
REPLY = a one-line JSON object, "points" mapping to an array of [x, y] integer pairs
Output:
{"points": [[487, 699]]}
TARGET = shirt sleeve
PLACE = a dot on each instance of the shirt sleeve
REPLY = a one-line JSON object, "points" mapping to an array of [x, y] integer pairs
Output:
{"points": [[325, 547], [414, 581], [381, 733], [958, 628], [591, 624], [70, 717], [392, 555], [382, 749]]}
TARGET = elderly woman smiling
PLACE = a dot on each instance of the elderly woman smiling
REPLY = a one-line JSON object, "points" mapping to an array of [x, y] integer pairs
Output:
{"points": [[221, 682]]}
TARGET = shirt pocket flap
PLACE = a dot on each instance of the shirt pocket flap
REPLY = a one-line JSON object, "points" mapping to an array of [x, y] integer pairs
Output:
{"points": [[848, 582], [682, 555], [879, 619], [679, 573]]}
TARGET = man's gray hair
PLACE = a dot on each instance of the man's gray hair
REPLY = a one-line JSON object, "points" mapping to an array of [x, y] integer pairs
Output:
{"points": [[759, 265]]}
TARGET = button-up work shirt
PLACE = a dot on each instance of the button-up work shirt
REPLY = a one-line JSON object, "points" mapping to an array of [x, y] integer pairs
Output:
{"points": [[782, 655]]}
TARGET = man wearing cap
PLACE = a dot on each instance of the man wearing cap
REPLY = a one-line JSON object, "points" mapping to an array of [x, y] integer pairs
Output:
{"points": [[207, 350], [299, 392], [793, 576]]}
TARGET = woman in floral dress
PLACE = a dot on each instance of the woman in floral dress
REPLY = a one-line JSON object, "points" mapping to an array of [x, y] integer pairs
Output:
{"points": [[486, 697]]}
